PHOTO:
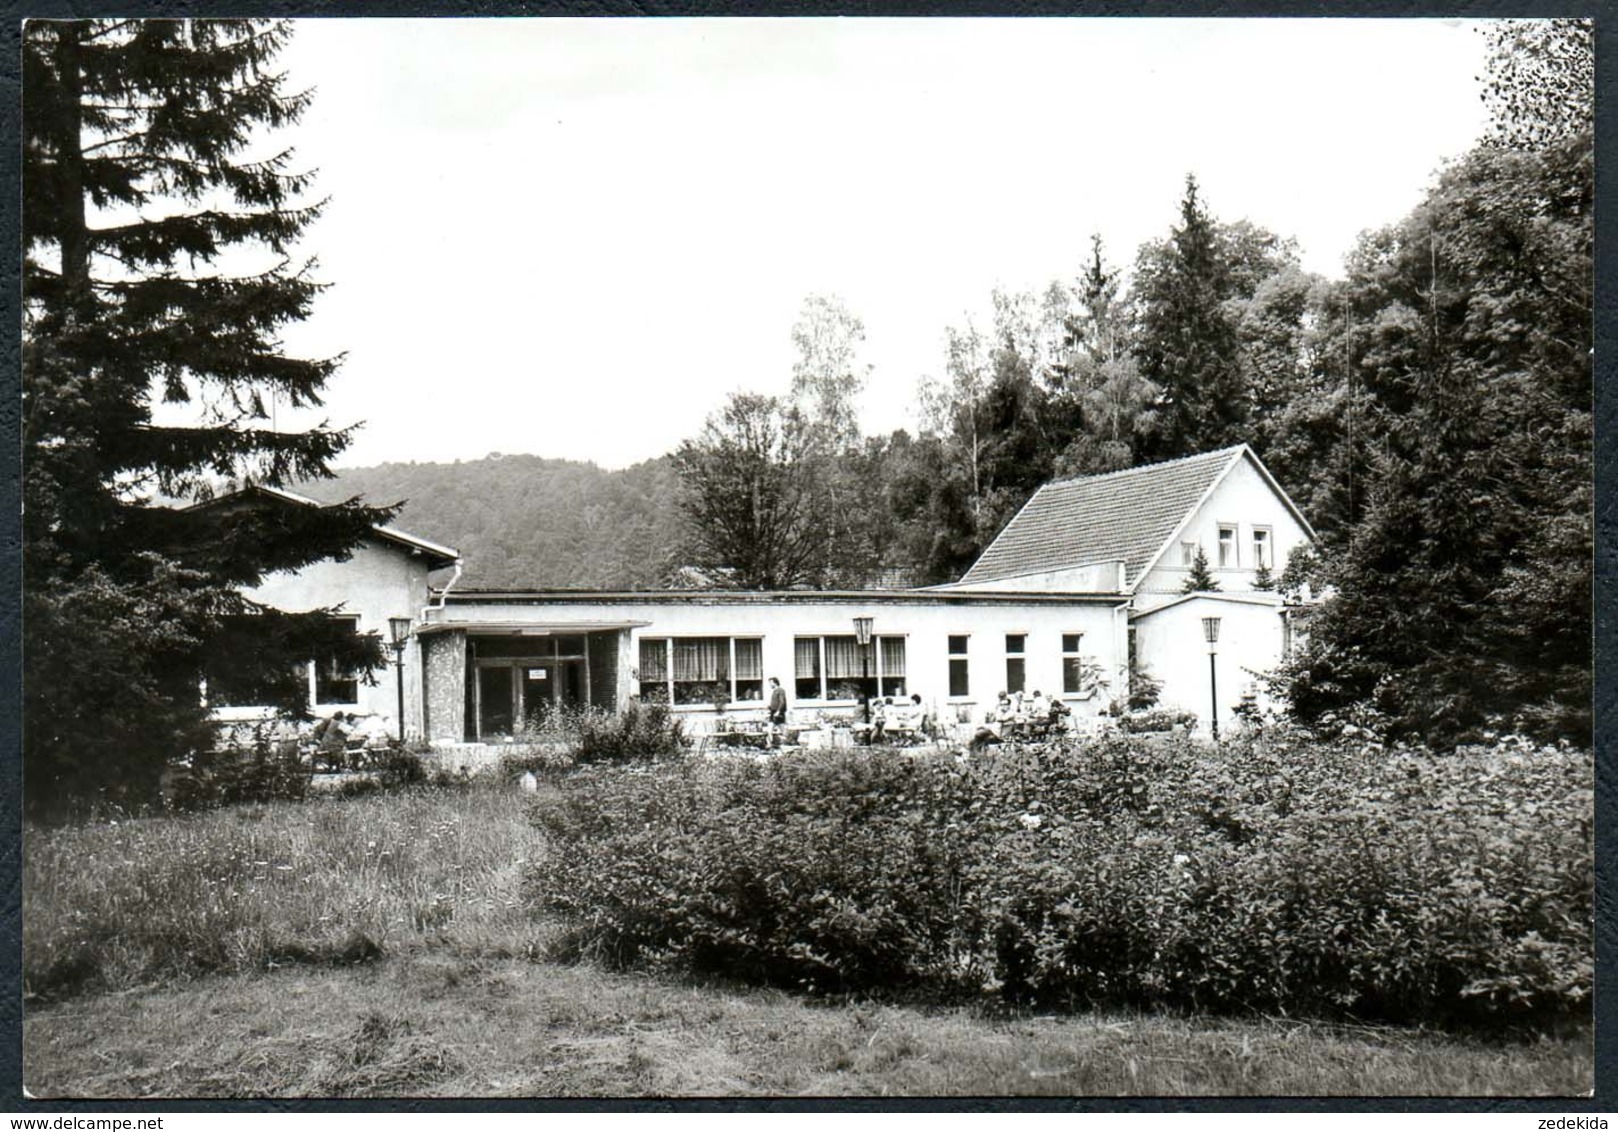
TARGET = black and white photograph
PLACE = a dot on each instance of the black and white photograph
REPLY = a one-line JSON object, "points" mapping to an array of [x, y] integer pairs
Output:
{"points": [[746, 558]]}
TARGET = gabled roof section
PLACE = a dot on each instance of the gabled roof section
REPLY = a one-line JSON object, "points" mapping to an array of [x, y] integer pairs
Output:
{"points": [[437, 556], [1126, 516]]}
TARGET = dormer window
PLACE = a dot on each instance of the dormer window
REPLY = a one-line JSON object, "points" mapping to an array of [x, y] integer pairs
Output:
{"points": [[1227, 546], [1261, 548]]}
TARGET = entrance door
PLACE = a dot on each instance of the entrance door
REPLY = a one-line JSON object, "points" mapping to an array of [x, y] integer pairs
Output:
{"points": [[521, 682], [495, 715], [553, 684], [538, 692], [572, 690]]}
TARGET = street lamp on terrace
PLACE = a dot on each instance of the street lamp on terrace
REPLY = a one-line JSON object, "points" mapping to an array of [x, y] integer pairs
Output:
{"points": [[399, 634], [1210, 632], [862, 637]]}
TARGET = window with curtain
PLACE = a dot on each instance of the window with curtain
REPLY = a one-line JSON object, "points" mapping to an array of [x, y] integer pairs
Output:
{"points": [[844, 663], [654, 670], [838, 668], [891, 654], [701, 670], [806, 669], [1261, 548], [749, 669]]}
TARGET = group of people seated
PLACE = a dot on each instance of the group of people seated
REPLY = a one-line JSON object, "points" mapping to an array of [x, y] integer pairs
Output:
{"points": [[340, 733], [898, 718], [1016, 715]]}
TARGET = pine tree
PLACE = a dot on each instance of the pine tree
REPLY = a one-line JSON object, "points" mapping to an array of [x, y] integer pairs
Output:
{"points": [[1201, 579], [158, 271]]}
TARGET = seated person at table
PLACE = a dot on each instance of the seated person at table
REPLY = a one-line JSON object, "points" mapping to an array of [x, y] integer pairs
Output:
{"points": [[331, 733], [1038, 709], [907, 713], [925, 723], [1000, 716], [1017, 715]]}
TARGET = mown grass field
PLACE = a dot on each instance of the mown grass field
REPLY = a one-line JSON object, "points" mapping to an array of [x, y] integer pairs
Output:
{"points": [[381, 946]]}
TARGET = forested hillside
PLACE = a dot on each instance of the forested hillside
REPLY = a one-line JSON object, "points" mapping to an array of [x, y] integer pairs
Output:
{"points": [[530, 522]]}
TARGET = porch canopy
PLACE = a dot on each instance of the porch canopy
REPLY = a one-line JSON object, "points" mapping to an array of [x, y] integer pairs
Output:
{"points": [[528, 628]]}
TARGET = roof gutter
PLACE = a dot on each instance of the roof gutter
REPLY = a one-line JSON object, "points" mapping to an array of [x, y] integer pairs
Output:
{"points": [[443, 593]]}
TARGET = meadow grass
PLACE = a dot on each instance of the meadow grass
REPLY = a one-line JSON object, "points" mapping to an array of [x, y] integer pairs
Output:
{"points": [[338, 880], [381, 946], [432, 1024]]}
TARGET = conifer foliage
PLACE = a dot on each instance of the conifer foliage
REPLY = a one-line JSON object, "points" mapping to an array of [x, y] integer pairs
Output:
{"points": [[1200, 580], [1187, 341], [1463, 597], [159, 274]]}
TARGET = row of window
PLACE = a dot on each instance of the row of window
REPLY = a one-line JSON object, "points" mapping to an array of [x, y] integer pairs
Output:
{"points": [[716, 670], [1228, 558]]}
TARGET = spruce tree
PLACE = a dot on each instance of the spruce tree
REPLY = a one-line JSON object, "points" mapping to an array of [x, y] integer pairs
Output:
{"points": [[1200, 580], [1187, 343], [159, 271]]}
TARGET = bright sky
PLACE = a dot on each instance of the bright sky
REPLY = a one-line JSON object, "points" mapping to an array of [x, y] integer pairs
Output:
{"points": [[574, 237]]}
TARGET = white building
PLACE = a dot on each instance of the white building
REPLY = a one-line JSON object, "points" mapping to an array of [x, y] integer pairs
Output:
{"points": [[1091, 569], [1137, 532]]}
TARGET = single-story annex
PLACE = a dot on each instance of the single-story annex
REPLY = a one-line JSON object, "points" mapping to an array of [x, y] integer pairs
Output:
{"points": [[1088, 575]]}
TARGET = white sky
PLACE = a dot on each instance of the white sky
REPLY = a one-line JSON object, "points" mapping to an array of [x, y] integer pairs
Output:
{"points": [[574, 237]]}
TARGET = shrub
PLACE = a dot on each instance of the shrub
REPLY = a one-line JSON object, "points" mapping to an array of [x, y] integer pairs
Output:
{"points": [[1144, 688], [638, 731], [1274, 874], [401, 765], [261, 765], [571, 736], [1160, 719]]}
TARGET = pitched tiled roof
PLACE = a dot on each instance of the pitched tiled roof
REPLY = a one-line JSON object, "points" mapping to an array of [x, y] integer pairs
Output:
{"points": [[437, 555], [1119, 516]]}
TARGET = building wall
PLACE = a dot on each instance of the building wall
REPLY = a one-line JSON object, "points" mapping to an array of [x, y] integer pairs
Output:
{"points": [[445, 699], [381, 580], [1170, 644], [1245, 500], [926, 627]]}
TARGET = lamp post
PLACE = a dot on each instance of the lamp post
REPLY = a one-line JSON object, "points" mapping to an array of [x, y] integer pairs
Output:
{"points": [[1210, 632], [399, 632], [862, 636]]}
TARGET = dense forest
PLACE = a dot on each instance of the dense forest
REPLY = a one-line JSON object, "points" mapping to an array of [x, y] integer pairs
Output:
{"points": [[524, 522]]}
